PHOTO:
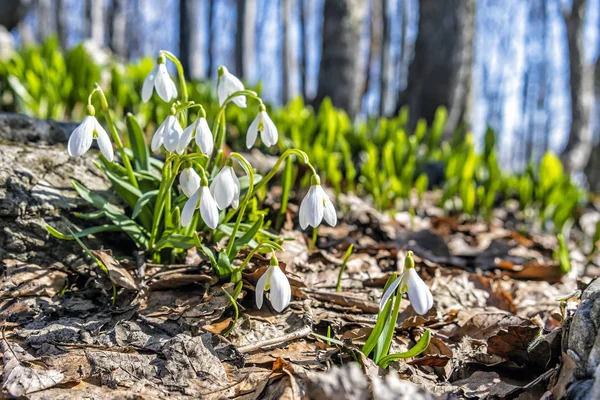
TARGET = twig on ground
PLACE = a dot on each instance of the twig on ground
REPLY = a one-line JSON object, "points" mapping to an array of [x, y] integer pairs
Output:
{"points": [[300, 333]]}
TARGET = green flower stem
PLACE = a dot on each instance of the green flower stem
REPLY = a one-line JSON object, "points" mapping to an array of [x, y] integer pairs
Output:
{"points": [[250, 173], [390, 328], [115, 135], [168, 178], [236, 275], [271, 174], [180, 74]]}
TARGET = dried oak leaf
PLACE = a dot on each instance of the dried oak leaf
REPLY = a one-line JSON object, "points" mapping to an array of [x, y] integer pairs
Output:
{"points": [[20, 379], [483, 385], [513, 342], [116, 273]]}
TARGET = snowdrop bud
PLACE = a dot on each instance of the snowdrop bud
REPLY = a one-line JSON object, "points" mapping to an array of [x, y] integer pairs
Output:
{"points": [[229, 84], [160, 80], [316, 205], [225, 188], [274, 280], [189, 181], [263, 124], [82, 137]]}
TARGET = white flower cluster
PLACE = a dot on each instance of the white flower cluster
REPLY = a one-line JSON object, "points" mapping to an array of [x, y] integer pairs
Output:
{"points": [[224, 190]]}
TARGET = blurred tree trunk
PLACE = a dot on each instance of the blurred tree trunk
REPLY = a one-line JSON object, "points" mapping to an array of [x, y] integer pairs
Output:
{"points": [[375, 30], [189, 46], [134, 40], [118, 28], [303, 50], [12, 12], [287, 54], [95, 15], [592, 169], [245, 37], [44, 15], [576, 154], [440, 73], [385, 57], [211, 55], [61, 29], [339, 73]]}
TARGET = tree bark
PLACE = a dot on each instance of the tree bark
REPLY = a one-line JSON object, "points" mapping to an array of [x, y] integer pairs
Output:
{"points": [[118, 28], [376, 33], [61, 29], [303, 50], [44, 15], [286, 52], [440, 73], [339, 74], [211, 55], [95, 13], [385, 57], [12, 12], [189, 45], [245, 37], [578, 150]]}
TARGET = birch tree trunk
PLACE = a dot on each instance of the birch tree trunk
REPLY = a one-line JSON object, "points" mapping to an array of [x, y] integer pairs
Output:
{"points": [[95, 13], [576, 154], [340, 62], [44, 14], [440, 73]]}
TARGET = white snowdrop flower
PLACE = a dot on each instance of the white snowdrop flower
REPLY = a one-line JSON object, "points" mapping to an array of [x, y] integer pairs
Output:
{"points": [[263, 124], [167, 134], [316, 205], [209, 212], [228, 85], [204, 138], [82, 137], [410, 282], [225, 188], [189, 180], [274, 280], [160, 80]]}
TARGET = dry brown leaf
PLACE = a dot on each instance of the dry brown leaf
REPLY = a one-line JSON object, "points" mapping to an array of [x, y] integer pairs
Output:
{"points": [[117, 274], [435, 360], [22, 279], [512, 344], [483, 385]]}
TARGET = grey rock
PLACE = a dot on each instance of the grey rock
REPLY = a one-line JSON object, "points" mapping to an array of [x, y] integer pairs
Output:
{"points": [[19, 128]]}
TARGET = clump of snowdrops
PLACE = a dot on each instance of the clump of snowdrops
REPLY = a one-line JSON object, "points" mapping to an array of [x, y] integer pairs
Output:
{"points": [[192, 196]]}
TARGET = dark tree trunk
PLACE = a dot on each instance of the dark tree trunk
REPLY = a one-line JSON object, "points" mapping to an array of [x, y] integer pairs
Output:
{"points": [[244, 37], [339, 73], [303, 50], [440, 73], [375, 30], [576, 154], [286, 52], [385, 57], [61, 29], [189, 48], [211, 55], [239, 39], [118, 28], [12, 12]]}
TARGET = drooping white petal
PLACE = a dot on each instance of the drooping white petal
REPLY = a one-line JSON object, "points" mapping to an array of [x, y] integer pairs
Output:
{"points": [[269, 133], [253, 131], [222, 90], [328, 209], [163, 83], [188, 209], [418, 293], [303, 214], [186, 137], [81, 139], [189, 181], [261, 285], [148, 85], [173, 89], [172, 133], [389, 292], [157, 139], [236, 190], [223, 187], [281, 292], [204, 138], [208, 208], [232, 85], [313, 212], [104, 141]]}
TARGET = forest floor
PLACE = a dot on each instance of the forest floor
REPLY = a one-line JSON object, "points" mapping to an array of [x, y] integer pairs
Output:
{"points": [[495, 290], [500, 320]]}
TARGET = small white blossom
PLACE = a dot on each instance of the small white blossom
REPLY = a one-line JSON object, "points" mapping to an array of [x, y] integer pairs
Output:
{"points": [[228, 85], [226, 188], [263, 124], [315, 206], [160, 80], [167, 134], [82, 137], [204, 138], [208, 208], [410, 282], [189, 180], [274, 280]]}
